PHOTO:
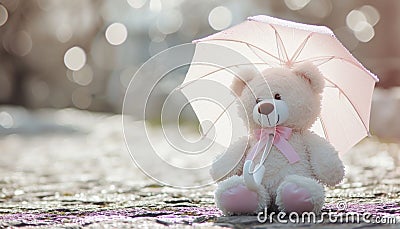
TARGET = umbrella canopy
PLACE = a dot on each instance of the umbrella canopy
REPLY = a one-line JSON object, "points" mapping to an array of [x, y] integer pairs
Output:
{"points": [[264, 42]]}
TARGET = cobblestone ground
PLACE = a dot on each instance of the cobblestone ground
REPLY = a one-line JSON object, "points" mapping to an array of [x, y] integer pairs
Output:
{"points": [[70, 168]]}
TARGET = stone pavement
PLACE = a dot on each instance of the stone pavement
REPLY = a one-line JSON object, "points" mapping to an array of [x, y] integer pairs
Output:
{"points": [[70, 168]]}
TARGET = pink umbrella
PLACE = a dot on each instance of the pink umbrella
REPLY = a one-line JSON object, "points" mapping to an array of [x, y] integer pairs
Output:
{"points": [[265, 41]]}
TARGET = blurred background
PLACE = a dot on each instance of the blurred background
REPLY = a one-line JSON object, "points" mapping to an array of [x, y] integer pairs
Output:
{"points": [[83, 53]]}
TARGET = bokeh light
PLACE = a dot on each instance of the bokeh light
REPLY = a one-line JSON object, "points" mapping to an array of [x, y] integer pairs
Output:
{"points": [[84, 76], [22, 43], [75, 58], [155, 6], [354, 17], [6, 120], [361, 22], [116, 33], [169, 22], [81, 98], [155, 34], [220, 18], [371, 14], [364, 32], [296, 4], [3, 15], [64, 33], [136, 4]]}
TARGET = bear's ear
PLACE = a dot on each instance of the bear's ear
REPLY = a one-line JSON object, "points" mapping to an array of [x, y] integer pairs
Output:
{"points": [[311, 73], [242, 77]]}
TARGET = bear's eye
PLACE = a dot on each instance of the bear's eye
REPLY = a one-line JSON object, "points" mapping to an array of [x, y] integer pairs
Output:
{"points": [[277, 97], [258, 100]]}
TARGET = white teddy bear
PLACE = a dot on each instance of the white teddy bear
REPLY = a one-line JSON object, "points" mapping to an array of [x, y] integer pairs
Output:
{"points": [[299, 162]]}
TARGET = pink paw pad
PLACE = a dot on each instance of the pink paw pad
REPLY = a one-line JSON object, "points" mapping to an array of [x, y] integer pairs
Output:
{"points": [[239, 199], [296, 199]]}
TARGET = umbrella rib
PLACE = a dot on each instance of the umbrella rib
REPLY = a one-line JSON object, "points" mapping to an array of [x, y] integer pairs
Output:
{"points": [[217, 119], [255, 53], [280, 46], [224, 68], [324, 60], [344, 94], [300, 48], [252, 50], [329, 58], [243, 42], [340, 90]]}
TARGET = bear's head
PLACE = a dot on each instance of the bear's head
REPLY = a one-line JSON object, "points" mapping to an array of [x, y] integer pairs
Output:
{"points": [[281, 96]]}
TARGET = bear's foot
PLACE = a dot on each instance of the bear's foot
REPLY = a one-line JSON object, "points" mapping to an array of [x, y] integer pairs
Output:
{"points": [[296, 198], [239, 199], [300, 194], [233, 197]]}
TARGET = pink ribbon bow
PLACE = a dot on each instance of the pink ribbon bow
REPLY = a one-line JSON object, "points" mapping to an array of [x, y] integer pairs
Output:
{"points": [[282, 134]]}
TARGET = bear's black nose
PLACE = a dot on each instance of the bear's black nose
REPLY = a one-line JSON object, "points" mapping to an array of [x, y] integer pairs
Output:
{"points": [[265, 108]]}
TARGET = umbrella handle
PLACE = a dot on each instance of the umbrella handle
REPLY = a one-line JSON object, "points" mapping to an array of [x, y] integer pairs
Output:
{"points": [[253, 179]]}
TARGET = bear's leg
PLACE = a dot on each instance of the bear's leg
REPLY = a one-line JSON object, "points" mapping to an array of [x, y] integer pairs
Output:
{"points": [[300, 194], [233, 197]]}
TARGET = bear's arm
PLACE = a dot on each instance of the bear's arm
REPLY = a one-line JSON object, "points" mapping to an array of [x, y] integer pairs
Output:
{"points": [[324, 159], [231, 162]]}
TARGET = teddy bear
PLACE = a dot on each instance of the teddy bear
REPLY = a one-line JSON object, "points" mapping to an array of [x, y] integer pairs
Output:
{"points": [[285, 101]]}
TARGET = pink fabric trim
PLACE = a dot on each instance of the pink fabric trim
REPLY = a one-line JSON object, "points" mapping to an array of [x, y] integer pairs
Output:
{"points": [[282, 134], [239, 199]]}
